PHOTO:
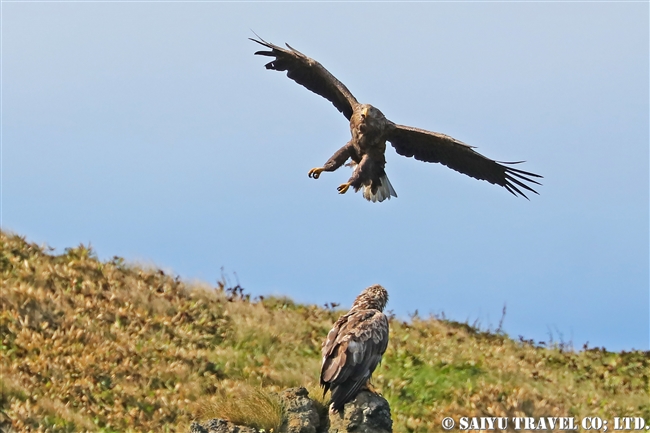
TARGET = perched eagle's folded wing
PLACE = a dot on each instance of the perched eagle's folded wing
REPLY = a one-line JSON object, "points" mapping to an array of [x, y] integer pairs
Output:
{"points": [[309, 73], [352, 355], [435, 147]]}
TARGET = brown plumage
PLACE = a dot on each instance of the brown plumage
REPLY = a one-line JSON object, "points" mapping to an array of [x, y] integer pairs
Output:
{"points": [[354, 346], [370, 130]]}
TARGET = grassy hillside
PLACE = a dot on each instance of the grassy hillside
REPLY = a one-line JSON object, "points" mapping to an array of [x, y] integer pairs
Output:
{"points": [[105, 346]]}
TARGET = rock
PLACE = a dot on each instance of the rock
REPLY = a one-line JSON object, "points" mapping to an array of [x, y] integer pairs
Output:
{"points": [[367, 413], [300, 411], [220, 426]]}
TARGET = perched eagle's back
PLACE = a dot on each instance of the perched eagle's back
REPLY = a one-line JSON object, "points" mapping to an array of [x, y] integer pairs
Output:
{"points": [[354, 347]]}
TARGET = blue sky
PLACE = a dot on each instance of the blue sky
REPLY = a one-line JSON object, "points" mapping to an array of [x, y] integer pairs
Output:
{"points": [[150, 131]]}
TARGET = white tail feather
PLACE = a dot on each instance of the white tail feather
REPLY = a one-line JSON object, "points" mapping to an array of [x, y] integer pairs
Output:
{"points": [[385, 191]]}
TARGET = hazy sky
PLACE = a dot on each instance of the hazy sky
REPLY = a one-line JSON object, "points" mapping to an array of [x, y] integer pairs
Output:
{"points": [[152, 132]]}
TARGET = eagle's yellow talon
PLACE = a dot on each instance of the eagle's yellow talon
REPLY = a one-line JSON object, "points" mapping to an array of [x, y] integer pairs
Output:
{"points": [[315, 172], [343, 188]]}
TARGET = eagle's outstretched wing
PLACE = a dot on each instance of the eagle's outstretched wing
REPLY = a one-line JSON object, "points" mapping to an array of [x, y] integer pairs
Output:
{"points": [[351, 353], [435, 147], [309, 73]]}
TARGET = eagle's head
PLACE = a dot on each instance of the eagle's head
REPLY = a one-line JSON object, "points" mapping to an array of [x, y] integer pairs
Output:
{"points": [[370, 120], [370, 113], [373, 298]]}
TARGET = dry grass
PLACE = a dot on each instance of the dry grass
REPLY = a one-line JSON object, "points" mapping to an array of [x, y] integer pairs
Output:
{"points": [[103, 346], [247, 405]]}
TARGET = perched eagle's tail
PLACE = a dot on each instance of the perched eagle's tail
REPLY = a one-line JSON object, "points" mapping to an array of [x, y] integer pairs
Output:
{"points": [[385, 191]]}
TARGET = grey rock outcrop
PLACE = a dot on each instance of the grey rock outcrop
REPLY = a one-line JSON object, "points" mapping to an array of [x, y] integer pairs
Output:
{"points": [[300, 411], [367, 413], [220, 426]]}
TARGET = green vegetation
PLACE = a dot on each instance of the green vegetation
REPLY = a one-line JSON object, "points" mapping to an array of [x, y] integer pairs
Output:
{"points": [[104, 346]]}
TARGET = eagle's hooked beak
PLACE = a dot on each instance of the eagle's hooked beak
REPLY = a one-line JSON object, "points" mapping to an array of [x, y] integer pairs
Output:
{"points": [[364, 112]]}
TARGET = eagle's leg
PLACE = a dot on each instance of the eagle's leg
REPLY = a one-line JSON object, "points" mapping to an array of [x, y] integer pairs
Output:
{"points": [[369, 387], [361, 174], [337, 160]]}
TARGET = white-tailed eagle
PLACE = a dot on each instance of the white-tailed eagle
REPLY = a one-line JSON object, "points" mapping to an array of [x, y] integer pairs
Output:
{"points": [[370, 131], [354, 346]]}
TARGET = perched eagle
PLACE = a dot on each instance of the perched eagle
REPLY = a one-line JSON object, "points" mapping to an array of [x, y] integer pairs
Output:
{"points": [[354, 346], [370, 130]]}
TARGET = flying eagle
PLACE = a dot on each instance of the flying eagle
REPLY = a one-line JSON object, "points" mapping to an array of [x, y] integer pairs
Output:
{"points": [[370, 130], [354, 347]]}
